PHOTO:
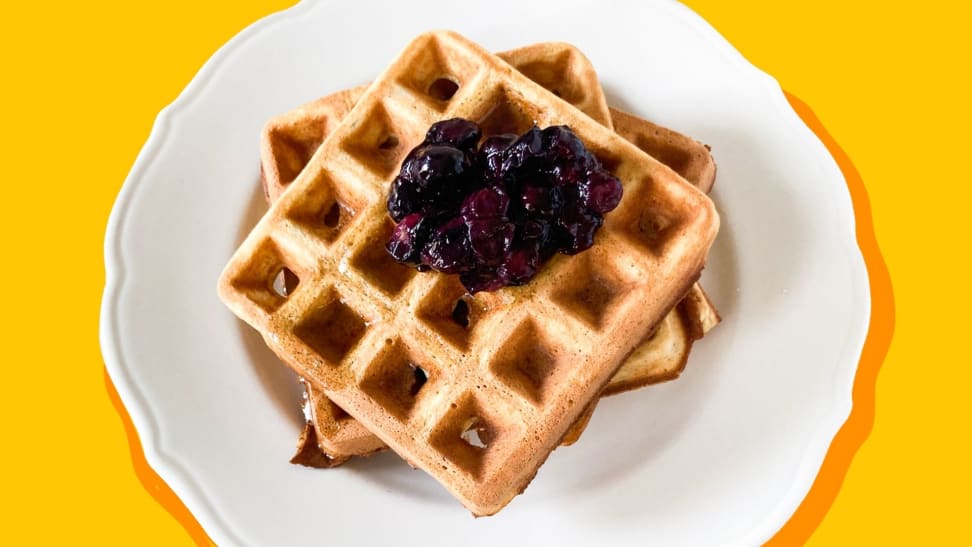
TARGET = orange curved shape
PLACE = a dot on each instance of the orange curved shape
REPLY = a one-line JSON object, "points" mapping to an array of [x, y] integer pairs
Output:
{"points": [[858, 426], [843, 448], [151, 480]]}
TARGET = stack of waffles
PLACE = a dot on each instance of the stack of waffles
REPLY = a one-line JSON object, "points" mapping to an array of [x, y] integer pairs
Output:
{"points": [[476, 390]]}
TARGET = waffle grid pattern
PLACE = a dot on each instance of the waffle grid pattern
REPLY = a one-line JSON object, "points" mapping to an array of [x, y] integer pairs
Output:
{"points": [[357, 327]]}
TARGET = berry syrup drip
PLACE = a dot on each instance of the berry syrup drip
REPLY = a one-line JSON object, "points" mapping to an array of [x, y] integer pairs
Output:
{"points": [[494, 211]]}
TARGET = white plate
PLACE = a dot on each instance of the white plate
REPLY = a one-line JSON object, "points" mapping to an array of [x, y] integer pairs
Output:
{"points": [[722, 456]]}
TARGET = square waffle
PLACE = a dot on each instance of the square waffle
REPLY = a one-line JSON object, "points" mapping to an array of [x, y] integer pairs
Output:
{"points": [[357, 327], [289, 140]]}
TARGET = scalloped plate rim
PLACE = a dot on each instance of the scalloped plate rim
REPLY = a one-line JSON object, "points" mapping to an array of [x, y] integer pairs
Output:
{"points": [[140, 409]]}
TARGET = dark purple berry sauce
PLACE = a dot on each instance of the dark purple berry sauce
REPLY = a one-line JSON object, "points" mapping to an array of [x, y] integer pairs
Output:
{"points": [[494, 212]]}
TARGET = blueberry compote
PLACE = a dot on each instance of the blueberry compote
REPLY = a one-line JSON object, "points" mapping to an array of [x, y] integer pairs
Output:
{"points": [[493, 210]]}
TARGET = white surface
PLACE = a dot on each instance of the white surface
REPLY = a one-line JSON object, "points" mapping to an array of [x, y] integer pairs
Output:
{"points": [[722, 456]]}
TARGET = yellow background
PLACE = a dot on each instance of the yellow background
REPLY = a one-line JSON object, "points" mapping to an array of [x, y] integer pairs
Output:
{"points": [[82, 84]]}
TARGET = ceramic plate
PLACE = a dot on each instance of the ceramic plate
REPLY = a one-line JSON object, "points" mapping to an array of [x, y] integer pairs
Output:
{"points": [[722, 456]]}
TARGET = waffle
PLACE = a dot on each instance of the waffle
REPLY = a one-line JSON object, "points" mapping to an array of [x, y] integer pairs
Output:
{"points": [[330, 436], [685, 155], [501, 394], [289, 140]]}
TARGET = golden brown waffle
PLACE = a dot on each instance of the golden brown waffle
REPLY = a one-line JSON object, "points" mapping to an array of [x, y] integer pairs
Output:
{"points": [[330, 435], [533, 358], [663, 356], [659, 358], [289, 140], [685, 155]]}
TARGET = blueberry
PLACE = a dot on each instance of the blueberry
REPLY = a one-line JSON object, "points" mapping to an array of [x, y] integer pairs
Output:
{"points": [[439, 176], [496, 144], [481, 280], [448, 249], [552, 244], [489, 202], [524, 151], [407, 239], [568, 173], [402, 199], [541, 202], [561, 143], [535, 230], [463, 134], [435, 162], [579, 233], [443, 198], [572, 206], [602, 192], [490, 240], [491, 154], [520, 264], [544, 234], [410, 166]]}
